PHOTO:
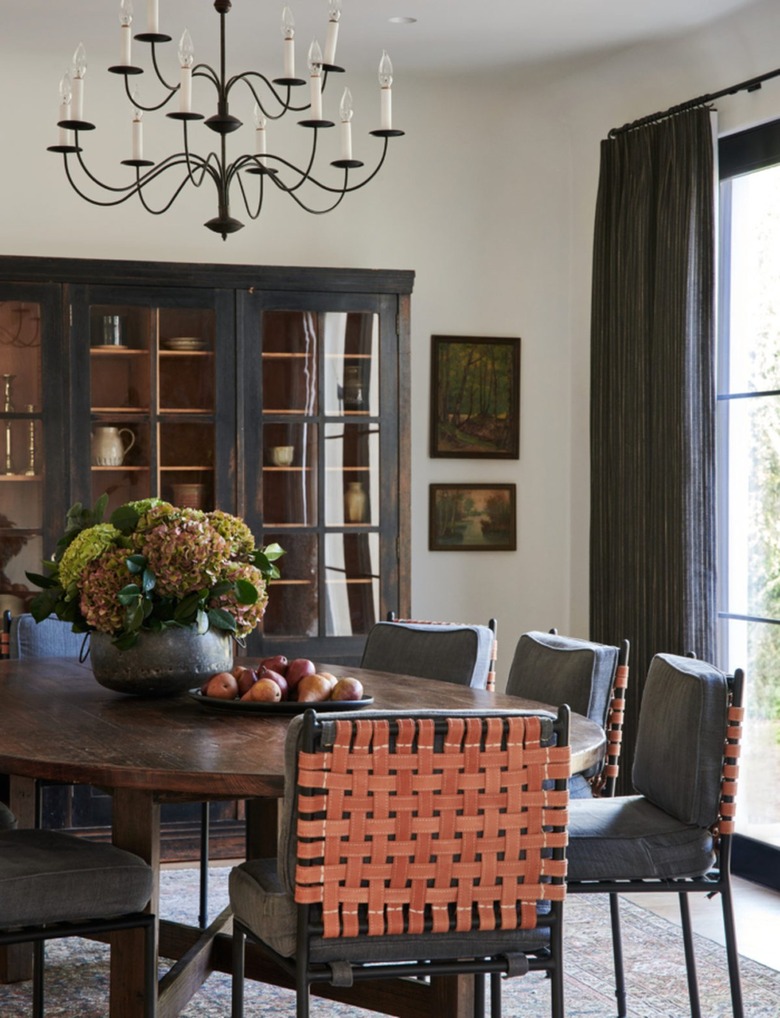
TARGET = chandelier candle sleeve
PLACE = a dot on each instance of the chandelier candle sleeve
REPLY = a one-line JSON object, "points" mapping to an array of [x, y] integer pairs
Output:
{"points": [[65, 99], [386, 81], [288, 34], [138, 130], [345, 113], [79, 70], [334, 14], [260, 136], [315, 69], [152, 17], [126, 23], [186, 59]]}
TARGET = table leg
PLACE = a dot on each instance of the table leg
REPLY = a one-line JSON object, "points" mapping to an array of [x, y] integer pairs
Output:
{"points": [[135, 827], [262, 828]]}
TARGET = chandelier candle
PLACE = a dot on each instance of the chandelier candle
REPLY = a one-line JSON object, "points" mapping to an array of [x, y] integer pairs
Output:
{"points": [[200, 157]]}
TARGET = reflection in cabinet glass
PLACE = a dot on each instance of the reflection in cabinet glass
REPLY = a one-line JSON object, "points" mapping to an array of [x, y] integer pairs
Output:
{"points": [[21, 454]]}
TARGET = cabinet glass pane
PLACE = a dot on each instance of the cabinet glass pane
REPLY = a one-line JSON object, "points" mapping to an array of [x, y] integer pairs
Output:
{"points": [[352, 474], [21, 453], [290, 362], [351, 583], [289, 474], [292, 601], [153, 387], [351, 359]]}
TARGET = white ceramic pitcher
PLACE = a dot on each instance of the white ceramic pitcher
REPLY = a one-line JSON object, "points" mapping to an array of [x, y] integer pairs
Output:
{"points": [[108, 448]]}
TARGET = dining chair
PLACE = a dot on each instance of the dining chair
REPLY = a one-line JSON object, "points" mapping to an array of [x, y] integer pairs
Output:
{"points": [[591, 678], [54, 885], [54, 638], [674, 834], [413, 845], [447, 651]]}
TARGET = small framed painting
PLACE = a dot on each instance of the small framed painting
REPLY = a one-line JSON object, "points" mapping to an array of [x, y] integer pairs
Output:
{"points": [[475, 397], [472, 517]]}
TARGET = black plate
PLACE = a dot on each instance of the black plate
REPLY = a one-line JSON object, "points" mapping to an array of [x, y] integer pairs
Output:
{"points": [[283, 707]]}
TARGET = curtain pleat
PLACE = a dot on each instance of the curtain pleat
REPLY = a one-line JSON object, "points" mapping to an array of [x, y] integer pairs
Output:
{"points": [[652, 541]]}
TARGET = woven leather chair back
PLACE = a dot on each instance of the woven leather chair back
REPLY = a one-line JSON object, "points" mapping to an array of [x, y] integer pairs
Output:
{"points": [[427, 825]]}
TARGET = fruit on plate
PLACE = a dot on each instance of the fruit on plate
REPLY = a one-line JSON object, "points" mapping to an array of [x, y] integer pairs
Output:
{"points": [[246, 678], [347, 688], [223, 686], [263, 691], [277, 663], [315, 688], [296, 669], [269, 673]]}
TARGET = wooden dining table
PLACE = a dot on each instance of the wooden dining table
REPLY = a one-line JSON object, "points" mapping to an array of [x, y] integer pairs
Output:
{"points": [[57, 723]]}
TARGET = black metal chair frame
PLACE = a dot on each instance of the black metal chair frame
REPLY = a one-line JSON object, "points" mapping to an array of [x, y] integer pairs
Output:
{"points": [[716, 881]]}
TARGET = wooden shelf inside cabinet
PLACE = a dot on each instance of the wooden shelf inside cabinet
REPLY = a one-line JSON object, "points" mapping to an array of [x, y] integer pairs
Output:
{"points": [[186, 353], [284, 355], [286, 470], [344, 579], [285, 411], [122, 468], [120, 410], [20, 532], [182, 468], [117, 351], [291, 583], [185, 412], [21, 477]]}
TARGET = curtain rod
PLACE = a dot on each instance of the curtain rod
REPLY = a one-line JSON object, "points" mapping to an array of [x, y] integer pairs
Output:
{"points": [[752, 85]]}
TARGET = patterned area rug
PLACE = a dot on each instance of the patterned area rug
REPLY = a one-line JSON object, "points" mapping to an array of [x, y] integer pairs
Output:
{"points": [[77, 971]]}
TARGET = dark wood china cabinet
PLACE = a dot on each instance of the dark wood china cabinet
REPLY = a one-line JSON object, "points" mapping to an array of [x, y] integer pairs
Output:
{"points": [[278, 394]]}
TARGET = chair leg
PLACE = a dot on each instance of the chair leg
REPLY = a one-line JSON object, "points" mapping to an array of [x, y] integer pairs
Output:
{"points": [[203, 911], [690, 957], [557, 1003], [731, 949], [617, 954], [479, 995], [237, 993], [150, 971], [495, 995], [37, 988]]}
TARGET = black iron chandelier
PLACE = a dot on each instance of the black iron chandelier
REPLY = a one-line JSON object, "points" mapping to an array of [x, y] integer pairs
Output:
{"points": [[264, 164]]}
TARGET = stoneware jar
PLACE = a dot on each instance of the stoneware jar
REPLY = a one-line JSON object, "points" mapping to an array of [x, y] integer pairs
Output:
{"points": [[108, 448]]}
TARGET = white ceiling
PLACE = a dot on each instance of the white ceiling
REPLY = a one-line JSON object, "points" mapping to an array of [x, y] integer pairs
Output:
{"points": [[447, 34]]}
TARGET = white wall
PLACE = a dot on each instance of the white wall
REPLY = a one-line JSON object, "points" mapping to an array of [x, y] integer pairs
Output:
{"points": [[490, 199]]}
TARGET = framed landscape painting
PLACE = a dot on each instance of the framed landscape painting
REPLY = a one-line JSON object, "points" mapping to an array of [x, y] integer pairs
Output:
{"points": [[472, 517], [475, 397]]}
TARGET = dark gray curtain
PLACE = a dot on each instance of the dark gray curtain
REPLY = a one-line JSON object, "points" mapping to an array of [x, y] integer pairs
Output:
{"points": [[652, 544]]}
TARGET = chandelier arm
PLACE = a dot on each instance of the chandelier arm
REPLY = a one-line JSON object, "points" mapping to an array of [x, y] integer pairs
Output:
{"points": [[174, 196], [308, 208], [286, 105], [129, 190], [205, 71], [160, 78], [148, 109], [260, 196]]}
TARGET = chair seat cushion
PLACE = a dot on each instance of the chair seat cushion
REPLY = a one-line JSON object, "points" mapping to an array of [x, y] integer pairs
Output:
{"points": [[258, 900], [49, 877], [629, 838], [7, 819]]}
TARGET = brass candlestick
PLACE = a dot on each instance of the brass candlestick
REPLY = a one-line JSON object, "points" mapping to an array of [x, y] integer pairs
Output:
{"points": [[30, 471], [8, 407]]}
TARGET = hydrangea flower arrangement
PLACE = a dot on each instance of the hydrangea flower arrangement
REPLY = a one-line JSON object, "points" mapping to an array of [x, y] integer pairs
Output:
{"points": [[155, 566]]}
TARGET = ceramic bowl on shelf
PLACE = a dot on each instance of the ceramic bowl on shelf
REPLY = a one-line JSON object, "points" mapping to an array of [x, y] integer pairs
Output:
{"points": [[187, 344], [282, 455]]}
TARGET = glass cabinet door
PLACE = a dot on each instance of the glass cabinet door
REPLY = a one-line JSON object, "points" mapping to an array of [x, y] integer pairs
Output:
{"points": [[321, 460], [32, 436], [149, 376]]}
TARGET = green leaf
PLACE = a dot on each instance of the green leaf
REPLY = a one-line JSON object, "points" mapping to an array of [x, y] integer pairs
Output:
{"points": [[202, 622], [136, 563], [221, 619], [273, 551], [44, 604], [134, 616], [126, 640], [125, 519], [129, 595], [186, 608], [148, 581], [223, 587], [100, 507], [43, 581], [246, 592]]}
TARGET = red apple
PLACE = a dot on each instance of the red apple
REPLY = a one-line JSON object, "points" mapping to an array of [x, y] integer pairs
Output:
{"points": [[223, 686], [277, 663], [246, 679], [280, 680], [296, 670]]}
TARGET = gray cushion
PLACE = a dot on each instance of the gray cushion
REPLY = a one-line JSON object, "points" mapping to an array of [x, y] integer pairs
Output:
{"points": [[458, 654], [259, 901], [46, 876], [50, 638], [561, 669], [7, 819], [682, 729], [628, 837]]}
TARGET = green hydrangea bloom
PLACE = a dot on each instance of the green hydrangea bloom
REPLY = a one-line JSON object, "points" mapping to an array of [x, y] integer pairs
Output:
{"points": [[85, 548], [235, 531]]}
